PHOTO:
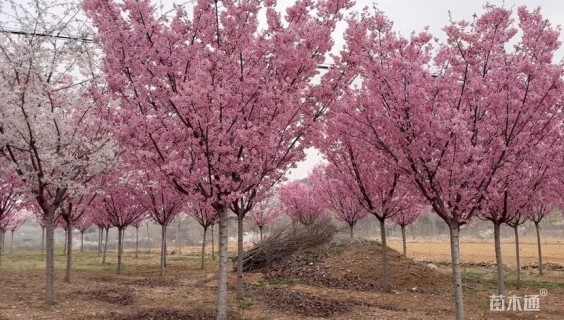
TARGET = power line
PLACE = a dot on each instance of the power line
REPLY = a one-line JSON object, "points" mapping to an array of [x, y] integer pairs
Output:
{"points": [[84, 39], [46, 35]]}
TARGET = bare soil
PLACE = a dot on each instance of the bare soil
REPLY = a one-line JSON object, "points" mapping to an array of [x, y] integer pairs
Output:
{"points": [[341, 281]]}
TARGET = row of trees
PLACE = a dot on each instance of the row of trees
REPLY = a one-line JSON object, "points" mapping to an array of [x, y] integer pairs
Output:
{"points": [[205, 111]]}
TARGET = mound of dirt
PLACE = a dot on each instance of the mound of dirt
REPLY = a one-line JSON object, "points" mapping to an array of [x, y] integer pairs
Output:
{"points": [[356, 265]]}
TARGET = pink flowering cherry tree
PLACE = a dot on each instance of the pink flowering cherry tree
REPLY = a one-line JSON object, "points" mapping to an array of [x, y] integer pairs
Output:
{"points": [[121, 209], [266, 213], [206, 217], [220, 103], [302, 204], [338, 198], [451, 118]]}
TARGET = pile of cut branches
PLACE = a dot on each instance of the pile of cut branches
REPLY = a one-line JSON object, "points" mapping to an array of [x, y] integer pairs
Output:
{"points": [[283, 242]]}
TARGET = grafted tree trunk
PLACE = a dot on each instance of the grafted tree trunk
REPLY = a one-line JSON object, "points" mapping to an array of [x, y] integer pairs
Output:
{"points": [[120, 249], [403, 240], [136, 241], [517, 256], [163, 248], [50, 257], [240, 292], [499, 260], [69, 252], [539, 247], [203, 247], [105, 246], [385, 277], [222, 285], [260, 231], [351, 227], [456, 271]]}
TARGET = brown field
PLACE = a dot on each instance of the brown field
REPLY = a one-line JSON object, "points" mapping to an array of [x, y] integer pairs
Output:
{"points": [[476, 252], [324, 285]]}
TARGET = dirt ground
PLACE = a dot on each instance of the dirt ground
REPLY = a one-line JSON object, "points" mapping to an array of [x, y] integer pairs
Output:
{"points": [[337, 282], [482, 251]]}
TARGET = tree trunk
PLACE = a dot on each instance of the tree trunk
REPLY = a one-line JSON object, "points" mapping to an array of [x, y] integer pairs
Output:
{"points": [[385, 278], [456, 272], [163, 248], [213, 243], [260, 231], [42, 243], [403, 241], [1, 245], [12, 242], [50, 256], [69, 252], [105, 246], [351, 231], [65, 242], [539, 247], [148, 241], [178, 239], [240, 288], [222, 282], [517, 256], [120, 247], [136, 241], [100, 238], [203, 247], [499, 260], [81, 241]]}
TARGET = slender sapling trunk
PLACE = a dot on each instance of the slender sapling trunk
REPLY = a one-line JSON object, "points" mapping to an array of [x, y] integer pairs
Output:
{"points": [[50, 257], [385, 279], [136, 241], [403, 240], [42, 243], [203, 247], [517, 256], [120, 247], [69, 252], [240, 292], [456, 271], [105, 246], [213, 243], [539, 247], [163, 248], [222, 282], [499, 260]]}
